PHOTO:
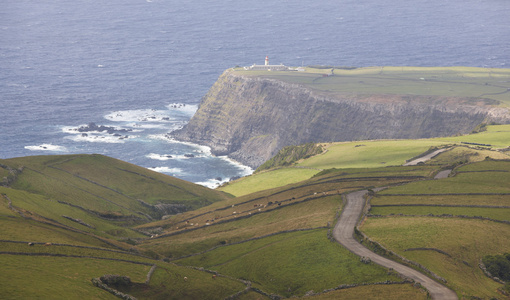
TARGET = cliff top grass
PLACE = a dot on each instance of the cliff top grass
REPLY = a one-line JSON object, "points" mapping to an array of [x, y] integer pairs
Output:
{"points": [[378, 153], [464, 82]]}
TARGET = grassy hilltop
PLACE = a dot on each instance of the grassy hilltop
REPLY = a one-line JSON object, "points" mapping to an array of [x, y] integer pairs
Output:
{"points": [[476, 83], [90, 215]]}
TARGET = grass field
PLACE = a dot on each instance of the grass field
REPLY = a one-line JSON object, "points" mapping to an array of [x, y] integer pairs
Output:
{"points": [[374, 154], [291, 264], [376, 292], [466, 241], [492, 200], [288, 211], [306, 215], [273, 179], [446, 81], [502, 214], [369, 154]]}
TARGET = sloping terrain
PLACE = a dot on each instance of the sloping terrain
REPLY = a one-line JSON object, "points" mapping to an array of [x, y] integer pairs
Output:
{"points": [[88, 215]]}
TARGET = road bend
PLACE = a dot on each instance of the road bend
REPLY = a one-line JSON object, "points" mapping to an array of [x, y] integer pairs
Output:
{"points": [[344, 234]]}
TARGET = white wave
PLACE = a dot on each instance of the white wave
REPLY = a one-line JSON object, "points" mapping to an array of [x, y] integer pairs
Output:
{"points": [[188, 108], [211, 183], [166, 170], [47, 147], [152, 115], [159, 156], [205, 150], [99, 138], [139, 115], [146, 125], [245, 169]]}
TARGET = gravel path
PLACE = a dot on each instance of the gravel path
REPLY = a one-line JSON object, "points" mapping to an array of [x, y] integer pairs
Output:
{"points": [[344, 234], [425, 158]]}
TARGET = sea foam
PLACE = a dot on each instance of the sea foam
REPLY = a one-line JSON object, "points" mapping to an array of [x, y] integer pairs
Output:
{"points": [[47, 147]]}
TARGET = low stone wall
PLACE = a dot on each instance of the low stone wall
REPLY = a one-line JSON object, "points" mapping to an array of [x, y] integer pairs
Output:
{"points": [[149, 275], [98, 283], [248, 240]]}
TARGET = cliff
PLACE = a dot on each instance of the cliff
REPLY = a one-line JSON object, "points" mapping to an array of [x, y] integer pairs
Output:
{"points": [[249, 118]]}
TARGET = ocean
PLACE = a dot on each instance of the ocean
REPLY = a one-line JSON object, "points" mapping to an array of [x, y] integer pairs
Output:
{"points": [[114, 77]]}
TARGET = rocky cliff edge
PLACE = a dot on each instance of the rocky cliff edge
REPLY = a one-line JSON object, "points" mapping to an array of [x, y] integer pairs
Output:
{"points": [[249, 118]]}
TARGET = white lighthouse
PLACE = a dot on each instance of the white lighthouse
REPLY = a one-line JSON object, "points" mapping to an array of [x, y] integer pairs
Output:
{"points": [[267, 67]]}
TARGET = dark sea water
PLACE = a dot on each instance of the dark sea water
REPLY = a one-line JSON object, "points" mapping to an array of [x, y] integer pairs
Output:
{"points": [[142, 66]]}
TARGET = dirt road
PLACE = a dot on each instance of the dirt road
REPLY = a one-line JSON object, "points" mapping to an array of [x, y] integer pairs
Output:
{"points": [[425, 158], [343, 233]]}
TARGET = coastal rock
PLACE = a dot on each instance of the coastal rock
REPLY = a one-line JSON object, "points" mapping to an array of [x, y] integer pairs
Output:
{"points": [[249, 118]]}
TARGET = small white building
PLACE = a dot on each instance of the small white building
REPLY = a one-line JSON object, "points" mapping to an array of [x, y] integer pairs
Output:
{"points": [[267, 67]]}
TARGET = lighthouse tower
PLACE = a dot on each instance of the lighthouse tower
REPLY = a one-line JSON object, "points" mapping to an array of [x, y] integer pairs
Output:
{"points": [[267, 60]]}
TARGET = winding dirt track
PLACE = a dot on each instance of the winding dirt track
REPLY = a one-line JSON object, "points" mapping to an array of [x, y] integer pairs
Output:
{"points": [[344, 234]]}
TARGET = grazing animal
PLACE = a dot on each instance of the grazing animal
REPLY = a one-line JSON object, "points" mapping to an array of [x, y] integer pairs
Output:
{"points": [[30, 244], [214, 277], [47, 244], [185, 278]]}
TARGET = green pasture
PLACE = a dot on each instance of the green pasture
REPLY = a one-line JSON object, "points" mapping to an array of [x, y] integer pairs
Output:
{"points": [[42, 277], [45, 277], [462, 153], [492, 200], [498, 136], [488, 83], [55, 211], [291, 264], [375, 292], [104, 184], [496, 166], [367, 173], [463, 183], [306, 215], [72, 250], [168, 282], [465, 240], [267, 180], [19, 229], [501, 214], [374, 154], [369, 154]]}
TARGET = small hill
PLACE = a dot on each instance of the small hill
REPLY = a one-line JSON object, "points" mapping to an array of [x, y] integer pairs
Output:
{"points": [[95, 193]]}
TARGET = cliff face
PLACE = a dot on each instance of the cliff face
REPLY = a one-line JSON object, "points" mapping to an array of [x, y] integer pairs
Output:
{"points": [[251, 118]]}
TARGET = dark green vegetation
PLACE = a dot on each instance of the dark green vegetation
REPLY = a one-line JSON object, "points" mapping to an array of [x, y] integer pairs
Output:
{"points": [[498, 265], [290, 155]]}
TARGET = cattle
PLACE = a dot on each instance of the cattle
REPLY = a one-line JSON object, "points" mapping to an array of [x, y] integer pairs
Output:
{"points": [[185, 278], [30, 244]]}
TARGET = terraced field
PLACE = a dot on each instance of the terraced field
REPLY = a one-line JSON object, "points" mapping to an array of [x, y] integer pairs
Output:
{"points": [[448, 225], [270, 241]]}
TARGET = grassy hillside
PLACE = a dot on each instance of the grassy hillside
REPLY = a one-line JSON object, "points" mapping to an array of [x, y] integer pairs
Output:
{"points": [[102, 216], [77, 211], [372, 154]]}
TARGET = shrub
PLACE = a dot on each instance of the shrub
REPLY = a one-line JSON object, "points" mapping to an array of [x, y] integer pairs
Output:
{"points": [[116, 280], [498, 265]]}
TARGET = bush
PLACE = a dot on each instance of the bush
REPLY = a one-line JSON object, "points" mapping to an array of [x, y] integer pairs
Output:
{"points": [[116, 280], [498, 265]]}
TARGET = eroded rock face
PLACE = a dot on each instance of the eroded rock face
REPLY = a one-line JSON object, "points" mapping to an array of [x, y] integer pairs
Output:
{"points": [[251, 118]]}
